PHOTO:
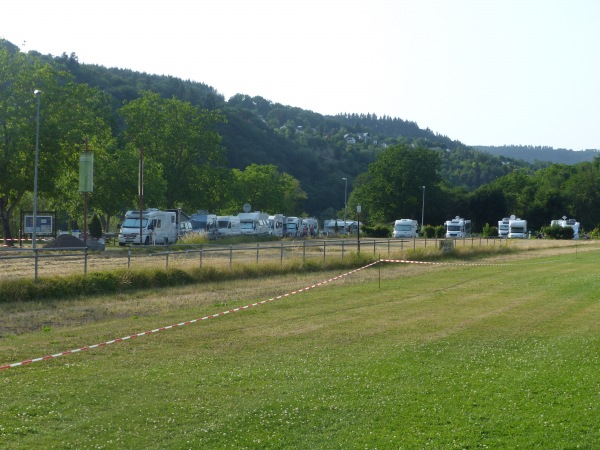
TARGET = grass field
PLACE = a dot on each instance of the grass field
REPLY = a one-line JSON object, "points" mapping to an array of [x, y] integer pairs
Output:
{"points": [[499, 355]]}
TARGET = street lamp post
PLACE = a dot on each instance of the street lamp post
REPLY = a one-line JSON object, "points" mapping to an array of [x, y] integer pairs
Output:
{"points": [[345, 201], [358, 211], [38, 94], [423, 212]]}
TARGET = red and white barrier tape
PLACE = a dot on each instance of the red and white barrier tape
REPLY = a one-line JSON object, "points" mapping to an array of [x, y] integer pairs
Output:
{"points": [[189, 322]]}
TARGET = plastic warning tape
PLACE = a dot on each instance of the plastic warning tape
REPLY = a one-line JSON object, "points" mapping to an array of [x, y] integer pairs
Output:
{"points": [[406, 261], [188, 322]]}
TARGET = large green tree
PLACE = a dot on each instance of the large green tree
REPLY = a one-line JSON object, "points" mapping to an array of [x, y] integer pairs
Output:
{"points": [[392, 186], [68, 115], [182, 140], [267, 189]]}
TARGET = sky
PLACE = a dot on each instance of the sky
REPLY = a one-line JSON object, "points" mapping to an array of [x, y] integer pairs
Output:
{"points": [[484, 72]]}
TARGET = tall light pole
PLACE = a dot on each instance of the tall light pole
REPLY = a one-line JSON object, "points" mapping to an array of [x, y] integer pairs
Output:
{"points": [[423, 212], [38, 94], [345, 201]]}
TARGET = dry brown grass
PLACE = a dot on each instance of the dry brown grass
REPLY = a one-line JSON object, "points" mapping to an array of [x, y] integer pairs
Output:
{"points": [[22, 317]]}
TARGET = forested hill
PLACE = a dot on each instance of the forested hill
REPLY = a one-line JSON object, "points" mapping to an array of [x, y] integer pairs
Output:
{"points": [[316, 149], [532, 154]]}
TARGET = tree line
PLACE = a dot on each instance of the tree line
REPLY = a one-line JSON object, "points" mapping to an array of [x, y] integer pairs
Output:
{"points": [[202, 152]]}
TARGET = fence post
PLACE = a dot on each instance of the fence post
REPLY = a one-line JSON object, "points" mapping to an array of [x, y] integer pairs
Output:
{"points": [[388, 248], [374, 243], [414, 245], [200, 257], [324, 250], [281, 256], [128, 259], [167, 261], [402, 248], [257, 244], [303, 252], [35, 264], [342, 249], [85, 258], [230, 257]]}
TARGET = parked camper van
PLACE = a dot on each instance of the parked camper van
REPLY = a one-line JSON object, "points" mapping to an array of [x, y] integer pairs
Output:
{"points": [[406, 228], [292, 226], [503, 227], [310, 227], [228, 226], [458, 228], [564, 222], [517, 228], [202, 222], [158, 227], [254, 223], [276, 223]]}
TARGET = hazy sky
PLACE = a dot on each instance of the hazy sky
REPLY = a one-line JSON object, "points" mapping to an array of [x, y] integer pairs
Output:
{"points": [[502, 72]]}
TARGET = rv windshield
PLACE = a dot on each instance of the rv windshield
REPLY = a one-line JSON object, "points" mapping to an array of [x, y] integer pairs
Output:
{"points": [[454, 228], [403, 228], [134, 223], [223, 223]]}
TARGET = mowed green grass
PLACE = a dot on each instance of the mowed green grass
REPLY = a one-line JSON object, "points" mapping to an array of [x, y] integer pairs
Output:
{"points": [[440, 356]]}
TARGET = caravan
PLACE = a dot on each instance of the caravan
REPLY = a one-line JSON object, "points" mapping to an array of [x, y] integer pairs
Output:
{"points": [[254, 223], [202, 222], [292, 226], [572, 223], [517, 228], [228, 226], [458, 228], [310, 227], [503, 227], [276, 223], [158, 227], [406, 228]]}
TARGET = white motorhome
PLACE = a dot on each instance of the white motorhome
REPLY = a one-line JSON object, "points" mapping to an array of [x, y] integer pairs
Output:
{"points": [[254, 223], [276, 222], [228, 226], [293, 226], [158, 227], [564, 222], [517, 228], [203, 222], [310, 226], [503, 227], [405, 228], [458, 228]]}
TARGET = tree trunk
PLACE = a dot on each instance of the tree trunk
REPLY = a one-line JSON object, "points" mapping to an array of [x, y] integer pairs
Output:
{"points": [[5, 219]]}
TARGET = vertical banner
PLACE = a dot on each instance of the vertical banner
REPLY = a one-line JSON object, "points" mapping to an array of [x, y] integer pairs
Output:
{"points": [[86, 172]]}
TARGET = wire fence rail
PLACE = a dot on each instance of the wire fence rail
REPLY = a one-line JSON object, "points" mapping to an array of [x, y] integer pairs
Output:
{"points": [[19, 262]]}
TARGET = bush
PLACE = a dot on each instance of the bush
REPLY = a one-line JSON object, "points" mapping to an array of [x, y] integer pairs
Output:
{"points": [[429, 231], [95, 227], [440, 231], [558, 232], [377, 231], [489, 231]]}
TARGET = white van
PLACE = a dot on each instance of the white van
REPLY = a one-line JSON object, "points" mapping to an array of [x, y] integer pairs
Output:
{"points": [[158, 227], [228, 226], [405, 228], [254, 223], [276, 222]]}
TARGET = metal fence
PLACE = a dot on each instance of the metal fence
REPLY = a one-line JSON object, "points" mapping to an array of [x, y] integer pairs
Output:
{"points": [[20, 262]]}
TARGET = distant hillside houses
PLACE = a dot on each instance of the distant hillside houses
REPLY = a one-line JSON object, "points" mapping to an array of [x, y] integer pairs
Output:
{"points": [[354, 138]]}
